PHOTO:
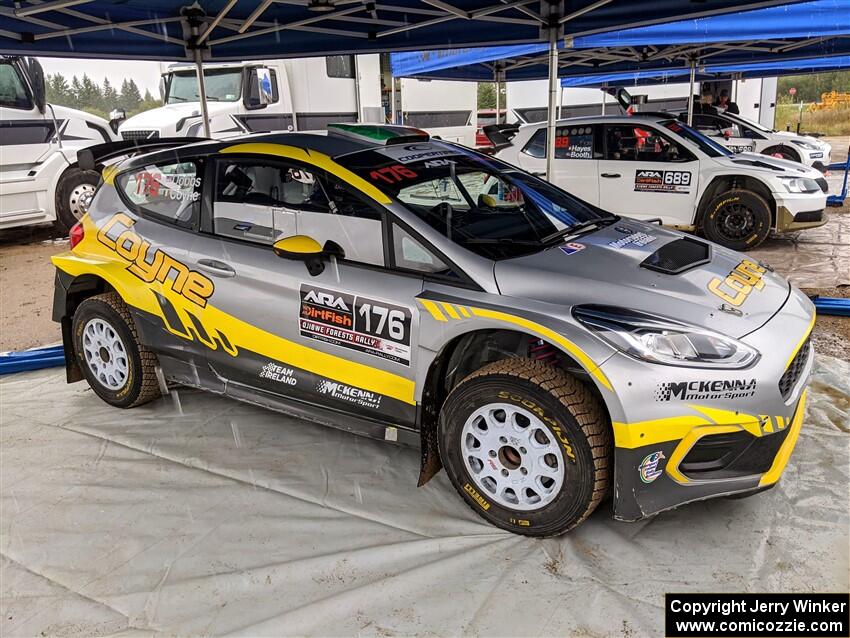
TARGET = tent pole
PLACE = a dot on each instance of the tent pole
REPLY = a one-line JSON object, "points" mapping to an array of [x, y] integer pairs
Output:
{"points": [[691, 92], [496, 75], [202, 91], [604, 87], [553, 97]]}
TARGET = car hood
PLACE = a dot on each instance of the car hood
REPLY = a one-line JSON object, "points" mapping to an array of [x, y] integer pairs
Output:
{"points": [[168, 115], [767, 164], [604, 267], [802, 138]]}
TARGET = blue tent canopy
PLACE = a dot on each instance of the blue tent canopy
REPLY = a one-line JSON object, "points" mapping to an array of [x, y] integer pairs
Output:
{"points": [[818, 28], [256, 29], [711, 72]]}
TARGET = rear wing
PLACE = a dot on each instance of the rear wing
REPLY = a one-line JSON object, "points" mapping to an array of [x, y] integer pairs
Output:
{"points": [[500, 136], [93, 156]]}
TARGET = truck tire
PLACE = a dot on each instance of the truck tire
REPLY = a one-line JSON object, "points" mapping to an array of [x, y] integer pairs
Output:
{"points": [[527, 446], [119, 369], [738, 219], [73, 196]]}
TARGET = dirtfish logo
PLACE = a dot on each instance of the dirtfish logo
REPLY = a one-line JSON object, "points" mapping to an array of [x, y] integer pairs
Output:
{"points": [[649, 470], [719, 389]]}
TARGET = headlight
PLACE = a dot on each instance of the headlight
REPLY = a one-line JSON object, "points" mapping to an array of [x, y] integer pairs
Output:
{"points": [[665, 341], [806, 145], [800, 184]]}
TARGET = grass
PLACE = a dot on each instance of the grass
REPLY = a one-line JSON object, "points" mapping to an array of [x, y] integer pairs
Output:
{"points": [[825, 122]]}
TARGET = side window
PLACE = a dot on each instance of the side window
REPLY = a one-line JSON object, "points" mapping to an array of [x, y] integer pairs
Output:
{"points": [[571, 142], [707, 125], [641, 144], [410, 254], [340, 66], [258, 201], [348, 220], [13, 94], [170, 192]]}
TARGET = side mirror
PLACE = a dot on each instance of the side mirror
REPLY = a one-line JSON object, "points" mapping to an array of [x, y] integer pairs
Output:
{"points": [[116, 117], [35, 74], [308, 250]]}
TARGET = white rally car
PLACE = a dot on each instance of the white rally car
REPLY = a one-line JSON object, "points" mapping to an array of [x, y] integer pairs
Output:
{"points": [[655, 167], [741, 135]]}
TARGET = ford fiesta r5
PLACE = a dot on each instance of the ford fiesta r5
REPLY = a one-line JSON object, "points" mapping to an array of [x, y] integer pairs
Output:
{"points": [[546, 353]]}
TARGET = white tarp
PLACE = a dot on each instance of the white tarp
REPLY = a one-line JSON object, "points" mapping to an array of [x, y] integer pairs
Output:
{"points": [[207, 516]]}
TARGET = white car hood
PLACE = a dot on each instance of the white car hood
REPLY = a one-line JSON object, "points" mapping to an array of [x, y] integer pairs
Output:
{"points": [[168, 115], [801, 138], [768, 164]]}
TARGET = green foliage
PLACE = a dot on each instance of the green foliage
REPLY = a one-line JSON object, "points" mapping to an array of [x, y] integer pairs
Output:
{"points": [[87, 95], [486, 95], [809, 87]]}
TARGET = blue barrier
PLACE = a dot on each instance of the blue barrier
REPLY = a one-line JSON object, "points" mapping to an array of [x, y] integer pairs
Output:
{"points": [[34, 359], [832, 306], [838, 200]]}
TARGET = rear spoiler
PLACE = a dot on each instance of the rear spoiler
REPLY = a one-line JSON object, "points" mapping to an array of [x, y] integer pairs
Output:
{"points": [[500, 135], [89, 158]]}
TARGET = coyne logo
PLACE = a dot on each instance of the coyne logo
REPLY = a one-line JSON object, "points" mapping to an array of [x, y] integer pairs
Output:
{"points": [[649, 470]]}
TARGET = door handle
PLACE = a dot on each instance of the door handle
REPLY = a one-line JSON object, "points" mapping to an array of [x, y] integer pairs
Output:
{"points": [[611, 175], [539, 173], [215, 267]]}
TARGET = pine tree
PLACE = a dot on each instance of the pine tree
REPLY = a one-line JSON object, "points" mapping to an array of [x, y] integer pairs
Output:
{"points": [[110, 96], [90, 95], [131, 98], [58, 91], [76, 91]]}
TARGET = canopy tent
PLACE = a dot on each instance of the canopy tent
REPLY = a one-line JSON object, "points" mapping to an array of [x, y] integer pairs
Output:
{"points": [[711, 72], [818, 28]]}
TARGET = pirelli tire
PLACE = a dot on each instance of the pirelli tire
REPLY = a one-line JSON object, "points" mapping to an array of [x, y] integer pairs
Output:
{"points": [[738, 219], [74, 193], [104, 333], [548, 411]]}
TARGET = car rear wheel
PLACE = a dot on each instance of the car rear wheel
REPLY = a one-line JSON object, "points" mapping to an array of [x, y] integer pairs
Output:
{"points": [[737, 219], [74, 193], [527, 446], [118, 368]]}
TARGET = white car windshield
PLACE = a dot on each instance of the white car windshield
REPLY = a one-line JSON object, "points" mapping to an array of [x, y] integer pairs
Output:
{"points": [[705, 144], [487, 206], [222, 85]]}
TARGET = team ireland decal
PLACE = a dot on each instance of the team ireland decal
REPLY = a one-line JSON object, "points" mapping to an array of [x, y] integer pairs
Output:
{"points": [[649, 470]]}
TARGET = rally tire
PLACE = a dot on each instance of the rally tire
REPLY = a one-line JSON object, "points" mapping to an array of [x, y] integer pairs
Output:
{"points": [[75, 187], [738, 219], [564, 405], [783, 152], [140, 384]]}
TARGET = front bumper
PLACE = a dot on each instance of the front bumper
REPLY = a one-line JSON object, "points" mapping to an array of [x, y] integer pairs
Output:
{"points": [[798, 211], [698, 434]]}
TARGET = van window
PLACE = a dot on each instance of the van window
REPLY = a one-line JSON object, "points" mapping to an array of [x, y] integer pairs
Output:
{"points": [[13, 94], [170, 192], [340, 66]]}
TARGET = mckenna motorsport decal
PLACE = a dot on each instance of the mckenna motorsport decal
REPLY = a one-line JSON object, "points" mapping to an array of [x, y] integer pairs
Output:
{"points": [[117, 235], [343, 392], [739, 283], [705, 390], [572, 247], [649, 470], [409, 153], [635, 239], [359, 323], [652, 181], [281, 374]]}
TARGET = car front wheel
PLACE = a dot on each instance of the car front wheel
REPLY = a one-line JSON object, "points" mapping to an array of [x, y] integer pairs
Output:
{"points": [[527, 446], [738, 219]]}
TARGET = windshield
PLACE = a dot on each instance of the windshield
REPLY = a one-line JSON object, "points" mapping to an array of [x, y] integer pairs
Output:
{"points": [[482, 204], [749, 123], [223, 85], [705, 144]]}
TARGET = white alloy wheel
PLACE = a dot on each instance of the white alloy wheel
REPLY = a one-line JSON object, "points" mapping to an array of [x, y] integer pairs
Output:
{"points": [[105, 354]]}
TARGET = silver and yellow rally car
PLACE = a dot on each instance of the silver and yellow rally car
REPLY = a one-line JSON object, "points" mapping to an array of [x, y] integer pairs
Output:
{"points": [[546, 353]]}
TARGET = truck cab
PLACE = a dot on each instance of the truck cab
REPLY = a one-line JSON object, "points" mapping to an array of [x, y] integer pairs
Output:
{"points": [[39, 177], [266, 95]]}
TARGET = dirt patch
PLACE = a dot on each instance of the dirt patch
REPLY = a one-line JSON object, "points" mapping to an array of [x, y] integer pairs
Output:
{"points": [[831, 334], [26, 288]]}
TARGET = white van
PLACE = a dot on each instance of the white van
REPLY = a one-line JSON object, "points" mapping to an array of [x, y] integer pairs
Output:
{"points": [[265, 95], [39, 177], [446, 109]]}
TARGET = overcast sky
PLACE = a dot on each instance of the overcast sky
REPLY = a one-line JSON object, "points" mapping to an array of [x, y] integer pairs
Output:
{"points": [[145, 74]]}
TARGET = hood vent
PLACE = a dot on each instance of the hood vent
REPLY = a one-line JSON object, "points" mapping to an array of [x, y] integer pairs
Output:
{"points": [[678, 256]]}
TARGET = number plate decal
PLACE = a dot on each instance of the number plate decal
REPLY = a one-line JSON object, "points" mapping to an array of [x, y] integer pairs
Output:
{"points": [[367, 325], [652, 181]]}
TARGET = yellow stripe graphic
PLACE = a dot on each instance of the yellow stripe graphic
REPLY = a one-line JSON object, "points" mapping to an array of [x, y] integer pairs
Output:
{"points": [[450, 310], [802, 341], [431, 307]]}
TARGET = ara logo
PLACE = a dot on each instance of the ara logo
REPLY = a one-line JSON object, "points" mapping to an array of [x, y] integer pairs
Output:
{"points": [[325, 299], [719, 389], [653, 174], [649, 470]]}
